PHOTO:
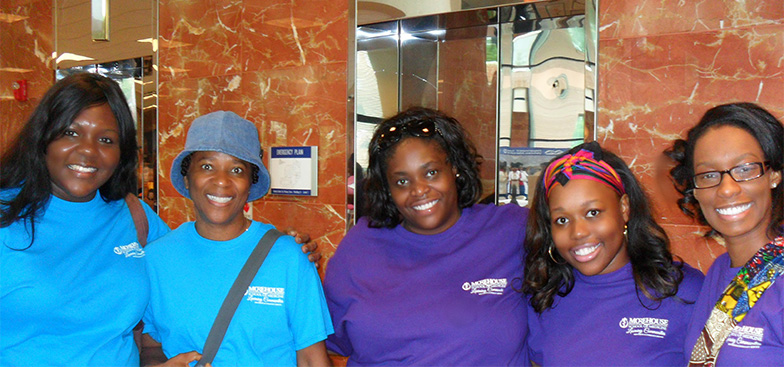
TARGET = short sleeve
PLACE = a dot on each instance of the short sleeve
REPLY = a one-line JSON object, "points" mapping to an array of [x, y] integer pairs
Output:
{"points": [[338, 295], [690, 287], [148, 319], [149, 324], [157, 227], [307, 308]]}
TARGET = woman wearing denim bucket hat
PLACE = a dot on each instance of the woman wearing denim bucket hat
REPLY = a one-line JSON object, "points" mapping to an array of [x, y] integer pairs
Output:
{"points": [[192, 268]]}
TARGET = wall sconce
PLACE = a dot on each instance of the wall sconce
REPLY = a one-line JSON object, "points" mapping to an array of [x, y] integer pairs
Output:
{"points": [[100, 20]]}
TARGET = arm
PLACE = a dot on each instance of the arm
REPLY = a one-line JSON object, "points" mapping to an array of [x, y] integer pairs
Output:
{"points": [[314, 355], [152, 355]]}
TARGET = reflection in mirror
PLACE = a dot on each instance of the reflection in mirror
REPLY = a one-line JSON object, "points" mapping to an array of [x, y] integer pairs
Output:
{"points": [[516, 76], [545, 106], [546, 96], [128, 56]]}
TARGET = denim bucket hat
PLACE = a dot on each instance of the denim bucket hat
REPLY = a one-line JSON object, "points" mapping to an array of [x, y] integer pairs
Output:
{"points": [[225, 132]]}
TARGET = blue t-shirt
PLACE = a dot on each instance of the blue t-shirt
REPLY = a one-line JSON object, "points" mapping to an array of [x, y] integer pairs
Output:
{"points": [[758, 339], [283, 309], [449, 299], [74, 296], [601, 322]]}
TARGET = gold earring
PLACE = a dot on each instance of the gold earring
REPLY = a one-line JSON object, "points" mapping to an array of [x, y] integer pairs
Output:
{"points": [[625, 230], [550, 251]]}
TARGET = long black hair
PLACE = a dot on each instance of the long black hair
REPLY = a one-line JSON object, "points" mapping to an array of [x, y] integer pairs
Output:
{"points": [[656, 275], [450, 136], [24, 162], [758, 122]]}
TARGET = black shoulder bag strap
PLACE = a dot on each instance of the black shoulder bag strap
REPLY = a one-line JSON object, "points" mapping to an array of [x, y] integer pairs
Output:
{"points": [[237, 291]]}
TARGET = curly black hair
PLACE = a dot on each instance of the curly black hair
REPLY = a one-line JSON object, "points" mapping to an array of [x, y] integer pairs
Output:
{"points": [[24, 162], [450, 136], [755, 120], [656, 275]]}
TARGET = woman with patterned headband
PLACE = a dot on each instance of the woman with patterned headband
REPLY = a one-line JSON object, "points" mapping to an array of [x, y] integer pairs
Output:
{"points": [[603, 286], [427, 278]]}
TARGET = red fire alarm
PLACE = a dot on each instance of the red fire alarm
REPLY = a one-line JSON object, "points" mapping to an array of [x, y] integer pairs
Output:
{"points": [[20, 90]]}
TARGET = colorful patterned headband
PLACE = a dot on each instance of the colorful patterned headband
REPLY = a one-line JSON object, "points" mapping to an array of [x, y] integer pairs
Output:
{"points": [[585, 164]]}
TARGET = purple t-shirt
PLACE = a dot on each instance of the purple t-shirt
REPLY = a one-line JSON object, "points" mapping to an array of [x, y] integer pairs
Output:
{"points": [[601, 322], [450, 299], [758, 340]]}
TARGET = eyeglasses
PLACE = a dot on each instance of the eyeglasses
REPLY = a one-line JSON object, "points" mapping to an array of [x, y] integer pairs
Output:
{"points": [[739, 173], [420, 128]]}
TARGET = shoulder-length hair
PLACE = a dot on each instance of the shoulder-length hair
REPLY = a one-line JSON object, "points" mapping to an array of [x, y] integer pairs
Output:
{"points": [[24, 162], [758, 122], [656, 275], [450, 136]]}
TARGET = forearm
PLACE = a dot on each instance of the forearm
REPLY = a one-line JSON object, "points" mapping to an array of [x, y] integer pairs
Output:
{"points": [[152, 352], [314, 356]]}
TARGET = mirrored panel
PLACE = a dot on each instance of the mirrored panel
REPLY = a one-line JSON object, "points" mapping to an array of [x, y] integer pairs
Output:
{"points": [[544, 105], [520, 78]]}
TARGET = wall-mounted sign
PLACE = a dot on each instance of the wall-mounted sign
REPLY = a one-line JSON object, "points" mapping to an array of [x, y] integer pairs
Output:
{"points": [[294, 171]]}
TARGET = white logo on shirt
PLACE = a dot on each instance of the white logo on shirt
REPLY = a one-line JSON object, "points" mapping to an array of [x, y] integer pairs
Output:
{"points": [[747, 337], [133, 249], [265, 295], [645, 326], [486, 286]]}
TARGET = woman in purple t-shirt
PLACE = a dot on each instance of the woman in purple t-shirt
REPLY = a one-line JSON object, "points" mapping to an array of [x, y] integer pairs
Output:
{"points": [[602, 283], [740, 307], [428, 277]]}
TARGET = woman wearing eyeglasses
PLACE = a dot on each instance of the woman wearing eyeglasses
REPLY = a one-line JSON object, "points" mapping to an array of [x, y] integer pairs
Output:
{"points": [[729, 173], [428, 277]]}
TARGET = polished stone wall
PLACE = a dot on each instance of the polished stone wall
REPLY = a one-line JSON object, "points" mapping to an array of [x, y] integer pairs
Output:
{"points": [[281, 65], [662, 65]]}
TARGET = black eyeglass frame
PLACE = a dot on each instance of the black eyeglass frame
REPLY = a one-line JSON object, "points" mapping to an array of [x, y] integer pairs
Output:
{"points": [[418, 128], [762, 165]]}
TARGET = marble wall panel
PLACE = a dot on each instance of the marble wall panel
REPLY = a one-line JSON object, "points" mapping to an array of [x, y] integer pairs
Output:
{"points": [[324, 223], [26, 46], [637, 18], [285, 34], [280, 65], [692, 247], [662, 65], [306, 106], [199, 38]]}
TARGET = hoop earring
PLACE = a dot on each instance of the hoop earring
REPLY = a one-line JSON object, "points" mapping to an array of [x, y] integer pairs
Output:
{"points": [[550, 251]]}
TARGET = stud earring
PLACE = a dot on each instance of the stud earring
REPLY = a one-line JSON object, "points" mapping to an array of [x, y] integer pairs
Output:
{"points": [[457, 175], [550, 251], [773, 185]]}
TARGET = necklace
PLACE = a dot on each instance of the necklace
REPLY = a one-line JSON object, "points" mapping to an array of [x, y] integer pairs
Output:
{"points": [[247, 227]]}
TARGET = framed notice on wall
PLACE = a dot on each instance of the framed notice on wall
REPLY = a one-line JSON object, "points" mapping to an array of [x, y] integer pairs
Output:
{"points": [[294, 171]]}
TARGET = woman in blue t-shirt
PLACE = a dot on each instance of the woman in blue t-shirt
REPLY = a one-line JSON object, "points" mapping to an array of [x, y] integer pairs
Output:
{"points": [[282, 319], [603, 287], [72, 276], [73, 280]]}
